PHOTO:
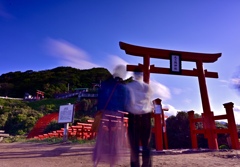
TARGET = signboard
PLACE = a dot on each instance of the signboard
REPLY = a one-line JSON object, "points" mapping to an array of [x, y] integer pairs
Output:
{"points": [[158, 109], [175, 64], [66, 114]]}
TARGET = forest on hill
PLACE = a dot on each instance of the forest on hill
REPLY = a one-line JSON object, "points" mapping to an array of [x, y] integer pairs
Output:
{"points": [[57, 80]]}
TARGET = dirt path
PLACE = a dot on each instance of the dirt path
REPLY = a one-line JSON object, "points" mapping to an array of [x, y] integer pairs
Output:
{"points": [[75, 155]]}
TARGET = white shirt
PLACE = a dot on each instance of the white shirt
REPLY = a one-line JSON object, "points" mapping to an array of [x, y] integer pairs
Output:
{"points": [[140, 94]]}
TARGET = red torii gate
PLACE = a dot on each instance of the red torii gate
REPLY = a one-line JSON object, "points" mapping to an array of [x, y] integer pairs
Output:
{"points": [[176, 57], [39, 94]]}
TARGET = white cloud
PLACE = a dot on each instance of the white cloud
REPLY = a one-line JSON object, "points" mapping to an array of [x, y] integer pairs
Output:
{"points": [[69, 54], [177, 91], [159, 90], [171, 110], [235, 81], [187, 101], [113, 61], [224, 81], [237, 117], [236, 110]]}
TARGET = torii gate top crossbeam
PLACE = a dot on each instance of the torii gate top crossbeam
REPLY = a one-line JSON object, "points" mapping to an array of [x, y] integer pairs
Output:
{"points": [[164, 54]]}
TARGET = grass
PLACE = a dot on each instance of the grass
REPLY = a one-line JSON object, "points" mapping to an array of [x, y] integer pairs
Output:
{"points": [[57, 102], [56, 140], [12, 139], [53, 140]]}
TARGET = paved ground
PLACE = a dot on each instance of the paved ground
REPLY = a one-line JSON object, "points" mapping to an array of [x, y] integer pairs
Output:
{"points": [[75, 155]]}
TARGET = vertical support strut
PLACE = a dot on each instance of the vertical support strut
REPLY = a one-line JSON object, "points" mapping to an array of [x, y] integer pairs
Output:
{"points": [[146, 70], [208, 115]]}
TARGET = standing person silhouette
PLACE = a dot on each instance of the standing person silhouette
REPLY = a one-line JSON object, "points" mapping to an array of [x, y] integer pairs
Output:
{"points": [[139, 123], [112, 97]]}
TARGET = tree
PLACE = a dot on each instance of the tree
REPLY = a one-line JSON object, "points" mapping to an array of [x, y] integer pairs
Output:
{"points": [[178, 131], [6, 88], [21, 120]]}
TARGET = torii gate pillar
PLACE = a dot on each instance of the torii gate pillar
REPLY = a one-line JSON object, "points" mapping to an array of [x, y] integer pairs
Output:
{"points": [[208, 116], [146, 68]]}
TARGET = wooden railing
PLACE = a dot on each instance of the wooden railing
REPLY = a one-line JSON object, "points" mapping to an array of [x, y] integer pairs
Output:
{"points": [[81, 131]]}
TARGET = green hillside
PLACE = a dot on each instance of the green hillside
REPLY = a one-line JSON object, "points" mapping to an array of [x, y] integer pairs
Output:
{"points": [[53, 81], [17, 117]]}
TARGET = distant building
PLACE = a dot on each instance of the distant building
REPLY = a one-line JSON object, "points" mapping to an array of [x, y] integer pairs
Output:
{"points": [[27, 96]]}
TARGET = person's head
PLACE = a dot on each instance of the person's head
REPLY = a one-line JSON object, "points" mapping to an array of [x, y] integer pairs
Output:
{"points": [[138, 74], [120, 71]]}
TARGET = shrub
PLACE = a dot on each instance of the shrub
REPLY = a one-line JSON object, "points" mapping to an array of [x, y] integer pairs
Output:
{"points": [[54, 125], [222, 147]]}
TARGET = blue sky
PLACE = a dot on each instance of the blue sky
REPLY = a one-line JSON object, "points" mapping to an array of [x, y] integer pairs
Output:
{"points": [[44, 34]]}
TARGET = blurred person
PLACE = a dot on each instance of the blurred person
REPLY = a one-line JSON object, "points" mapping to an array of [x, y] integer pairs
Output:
{"points": [[139, 123], [112, 97]]}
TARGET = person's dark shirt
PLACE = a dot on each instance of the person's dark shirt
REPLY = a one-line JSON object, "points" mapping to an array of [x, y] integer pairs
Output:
{"points": [[117, 101]]}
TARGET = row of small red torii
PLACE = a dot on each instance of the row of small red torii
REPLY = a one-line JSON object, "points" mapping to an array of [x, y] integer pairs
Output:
{"points": [[208, 119]]}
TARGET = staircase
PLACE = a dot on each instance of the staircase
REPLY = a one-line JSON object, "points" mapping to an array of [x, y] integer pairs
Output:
{"points": [[42, 124]]}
